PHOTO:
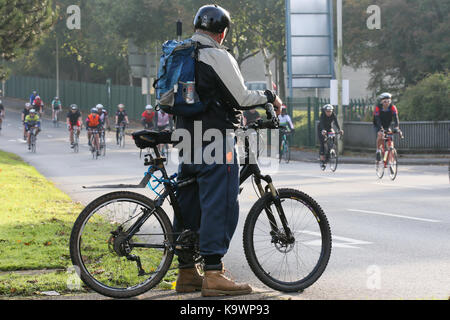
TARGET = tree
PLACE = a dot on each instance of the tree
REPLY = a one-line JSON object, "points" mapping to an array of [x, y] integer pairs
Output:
{"points": [[414, 40], [22, 24], [429, 100]]}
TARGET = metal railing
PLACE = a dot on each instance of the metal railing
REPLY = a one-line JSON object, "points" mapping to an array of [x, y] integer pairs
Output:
{"points": [[423, 136]]}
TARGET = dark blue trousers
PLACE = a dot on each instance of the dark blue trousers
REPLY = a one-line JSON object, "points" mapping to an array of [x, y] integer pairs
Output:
{"points": [[210, 206]]}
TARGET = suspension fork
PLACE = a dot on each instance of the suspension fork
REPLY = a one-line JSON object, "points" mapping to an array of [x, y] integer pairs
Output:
{"points": [[277, 201]]}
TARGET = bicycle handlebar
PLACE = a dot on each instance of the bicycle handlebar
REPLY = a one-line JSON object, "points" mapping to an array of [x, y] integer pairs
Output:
{"points": [[272, 123]]}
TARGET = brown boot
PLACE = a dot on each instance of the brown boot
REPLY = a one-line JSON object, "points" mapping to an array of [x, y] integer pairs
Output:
{"points": [[215, 283], [189, 280]]}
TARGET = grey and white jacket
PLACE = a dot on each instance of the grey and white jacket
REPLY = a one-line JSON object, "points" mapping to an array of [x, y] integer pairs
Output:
{"points": [[220, 86]]}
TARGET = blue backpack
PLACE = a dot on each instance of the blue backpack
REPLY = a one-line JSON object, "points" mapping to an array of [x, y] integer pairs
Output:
{"points": [[175, 85]]}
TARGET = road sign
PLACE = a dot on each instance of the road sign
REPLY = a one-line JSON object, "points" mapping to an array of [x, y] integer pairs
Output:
{"points": [[310, 48]]}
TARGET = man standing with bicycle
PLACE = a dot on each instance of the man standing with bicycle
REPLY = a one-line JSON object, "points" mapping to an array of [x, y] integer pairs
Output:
{"points": [[210, 206], [384, 115], [326, 121]]}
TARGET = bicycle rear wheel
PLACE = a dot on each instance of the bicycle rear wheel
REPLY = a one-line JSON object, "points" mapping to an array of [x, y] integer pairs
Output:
{"points": [[393, 164], [284, 264], [105, 261]]}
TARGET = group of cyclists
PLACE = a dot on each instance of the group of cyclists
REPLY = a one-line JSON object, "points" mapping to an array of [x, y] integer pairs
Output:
{"points": [[385, 115], [96, 122]]}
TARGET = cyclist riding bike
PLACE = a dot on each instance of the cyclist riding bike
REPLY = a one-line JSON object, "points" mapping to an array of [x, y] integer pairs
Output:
{"points": [[121, 120], [163, 121], [147, 118], [73, 120], [56, 107], [38, 105], [384, 116], [286, 122], [285, 119], [25, 112], [2, 113], [103, 113], [32, 121], [326, 121], [33, 96], [93, 124]]}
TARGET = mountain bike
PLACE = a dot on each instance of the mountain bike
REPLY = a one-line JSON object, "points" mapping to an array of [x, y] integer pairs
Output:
{"points": [[285, 150], [123, 243], [331, 151], [390, 156]]}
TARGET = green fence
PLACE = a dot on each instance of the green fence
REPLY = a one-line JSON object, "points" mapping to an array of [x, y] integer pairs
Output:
{"points": [[85, 95]]}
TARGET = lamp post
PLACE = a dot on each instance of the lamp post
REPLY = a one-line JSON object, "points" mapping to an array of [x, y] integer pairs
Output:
{"points": [[57, 66], [339, 69]]}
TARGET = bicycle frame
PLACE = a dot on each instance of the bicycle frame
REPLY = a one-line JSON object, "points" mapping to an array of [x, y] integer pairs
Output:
{"points": [[171, 185], [388, 145]]}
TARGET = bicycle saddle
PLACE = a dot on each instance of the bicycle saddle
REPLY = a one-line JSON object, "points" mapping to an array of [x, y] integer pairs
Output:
{"points": [[150, 139]]}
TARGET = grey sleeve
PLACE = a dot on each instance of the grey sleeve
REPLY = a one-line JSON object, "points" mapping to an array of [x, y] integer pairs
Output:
{"points": [[227, 70]]}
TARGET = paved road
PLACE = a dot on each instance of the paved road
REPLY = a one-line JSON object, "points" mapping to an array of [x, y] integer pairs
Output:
{"points": [[391, 240]]}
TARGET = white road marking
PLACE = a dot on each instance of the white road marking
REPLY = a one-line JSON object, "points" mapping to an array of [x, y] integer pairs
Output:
{"points": [[337, 241], [392, 215], [401, 186]]}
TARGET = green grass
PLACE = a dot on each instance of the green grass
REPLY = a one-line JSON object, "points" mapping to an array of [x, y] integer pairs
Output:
{"points": [[36, 220]]}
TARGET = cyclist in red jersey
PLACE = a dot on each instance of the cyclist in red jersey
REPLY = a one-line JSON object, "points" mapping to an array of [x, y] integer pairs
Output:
{"points": [[148, 117], [384, 116]]}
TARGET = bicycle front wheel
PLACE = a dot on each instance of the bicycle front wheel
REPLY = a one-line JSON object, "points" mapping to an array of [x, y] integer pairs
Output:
{"points": [[379, 168], [284, 263], [33, 143], [109, 263], [393, 164], [333, 160]]}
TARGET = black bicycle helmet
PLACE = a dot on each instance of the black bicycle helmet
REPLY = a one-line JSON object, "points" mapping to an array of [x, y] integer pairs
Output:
{"points": [[212, 18]]}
